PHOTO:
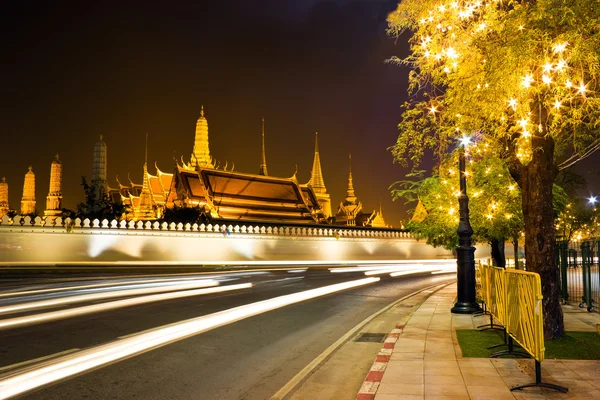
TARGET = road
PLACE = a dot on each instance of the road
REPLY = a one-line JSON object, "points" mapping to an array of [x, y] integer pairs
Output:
{"points": [[250, 358]]}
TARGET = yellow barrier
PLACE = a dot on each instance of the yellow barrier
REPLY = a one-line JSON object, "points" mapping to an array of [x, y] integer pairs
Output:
{"points": [[514, 298], [497, 296], [525, 322]]}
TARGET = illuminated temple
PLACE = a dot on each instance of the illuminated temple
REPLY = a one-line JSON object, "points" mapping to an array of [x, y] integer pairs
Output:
{"points": [[224, 193]]}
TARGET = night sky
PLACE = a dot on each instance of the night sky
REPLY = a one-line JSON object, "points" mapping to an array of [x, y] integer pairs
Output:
{"points": [[74, 70]]}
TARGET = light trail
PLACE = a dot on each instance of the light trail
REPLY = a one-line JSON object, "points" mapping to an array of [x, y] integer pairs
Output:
{"points": [[106, 295], [420, 271], [85, 360], [112, 305], [390, 270], [115, 282]]}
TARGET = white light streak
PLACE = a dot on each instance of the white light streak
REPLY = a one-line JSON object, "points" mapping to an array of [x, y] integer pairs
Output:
{"points": [[106, 295], [85, 360], [74, 312]]}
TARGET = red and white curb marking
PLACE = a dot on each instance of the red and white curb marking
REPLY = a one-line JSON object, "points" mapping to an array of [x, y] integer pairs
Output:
{"points": [[371, 383]]}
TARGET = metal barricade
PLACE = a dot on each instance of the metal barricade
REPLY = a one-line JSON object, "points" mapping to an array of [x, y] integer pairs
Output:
{"points": [[515, 299], [525, 321]]}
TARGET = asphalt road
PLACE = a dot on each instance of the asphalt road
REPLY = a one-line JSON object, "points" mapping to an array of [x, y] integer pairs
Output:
{"points": [[248, 359]]}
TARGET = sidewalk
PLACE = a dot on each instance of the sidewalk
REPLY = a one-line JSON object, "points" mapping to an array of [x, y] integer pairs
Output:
{"points": [[422, 360]]}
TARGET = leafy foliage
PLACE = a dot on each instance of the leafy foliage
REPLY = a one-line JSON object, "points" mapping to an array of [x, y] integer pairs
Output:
{"points": [[97, 203], [508, 69], [185, 215], [494, 201]]}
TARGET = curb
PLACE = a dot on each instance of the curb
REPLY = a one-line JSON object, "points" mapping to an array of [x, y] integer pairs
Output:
{"points": [[370, 385]]}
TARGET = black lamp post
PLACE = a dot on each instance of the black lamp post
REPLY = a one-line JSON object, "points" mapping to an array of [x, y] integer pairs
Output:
{"points": [[465, 260]]}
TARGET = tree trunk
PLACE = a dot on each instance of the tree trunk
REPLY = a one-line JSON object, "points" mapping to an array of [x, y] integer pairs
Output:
{"points": [[536, 179], [498, 252], [515, 243]]}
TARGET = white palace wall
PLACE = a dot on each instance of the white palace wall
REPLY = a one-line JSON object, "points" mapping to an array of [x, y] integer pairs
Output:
{"points": [[25, 241]]}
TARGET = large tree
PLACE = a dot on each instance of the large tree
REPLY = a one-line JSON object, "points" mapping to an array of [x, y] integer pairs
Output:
{"points": [[522, 75]]}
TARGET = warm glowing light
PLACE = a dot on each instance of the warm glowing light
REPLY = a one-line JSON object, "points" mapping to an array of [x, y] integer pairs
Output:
{"points": [[568, 83], [548, 67], [465, 140], [561, 65], [582, 88], [432, 109], [513, 103], [546, 79], [523, 122], [527, 80], [511, 187], [559, 48], [557, 104], [451, 53]]}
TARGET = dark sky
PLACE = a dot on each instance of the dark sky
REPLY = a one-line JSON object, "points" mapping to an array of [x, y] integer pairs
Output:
{"points": [[74, 70]]}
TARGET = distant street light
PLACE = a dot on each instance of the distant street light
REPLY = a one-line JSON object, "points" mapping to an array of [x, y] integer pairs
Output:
{"points": [[593, 200], [465, 253]]}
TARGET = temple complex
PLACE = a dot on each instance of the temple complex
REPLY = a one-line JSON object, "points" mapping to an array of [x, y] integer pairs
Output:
{"points": [[223, 193], [28, 200], [4, 207], [54, 198]]}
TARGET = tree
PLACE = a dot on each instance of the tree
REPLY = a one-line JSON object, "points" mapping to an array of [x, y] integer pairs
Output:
{"points": [[522, 75], [192, 215], [98, 204]]}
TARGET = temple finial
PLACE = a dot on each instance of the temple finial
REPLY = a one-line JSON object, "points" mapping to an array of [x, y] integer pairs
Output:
{"points": [[316, 142], [263, 160], [146, 154], [100, 137], [350, 162], [202, 110]]}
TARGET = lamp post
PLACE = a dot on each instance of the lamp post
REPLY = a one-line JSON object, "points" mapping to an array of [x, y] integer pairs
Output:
{"points": [[465, 253]]}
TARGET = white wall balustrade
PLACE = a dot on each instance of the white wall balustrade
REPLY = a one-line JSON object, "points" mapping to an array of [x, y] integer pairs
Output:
{"points": [[65, 240]]}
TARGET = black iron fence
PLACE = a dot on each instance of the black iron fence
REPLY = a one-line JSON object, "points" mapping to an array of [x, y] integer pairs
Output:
{"points": [[579, 273]]}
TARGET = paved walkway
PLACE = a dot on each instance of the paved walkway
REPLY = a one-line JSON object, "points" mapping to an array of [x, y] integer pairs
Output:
{"points": [[426, 362]]}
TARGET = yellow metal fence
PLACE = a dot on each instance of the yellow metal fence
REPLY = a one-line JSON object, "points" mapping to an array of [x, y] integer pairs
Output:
{"points": [[514, 298]]}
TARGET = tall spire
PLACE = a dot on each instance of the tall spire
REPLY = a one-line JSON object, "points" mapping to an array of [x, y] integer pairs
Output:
{"points": [[316, 178], [350, 196], [263, 160], [99, 166], [201, 153], [4, 207], [54, 198], [145, 210], [28, 200]]}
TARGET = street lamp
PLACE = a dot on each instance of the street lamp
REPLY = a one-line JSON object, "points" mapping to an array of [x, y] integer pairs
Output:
{"points": [[465, 253]]}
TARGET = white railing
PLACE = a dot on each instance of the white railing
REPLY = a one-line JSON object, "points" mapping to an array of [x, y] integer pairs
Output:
{"points": [[87, 225]]}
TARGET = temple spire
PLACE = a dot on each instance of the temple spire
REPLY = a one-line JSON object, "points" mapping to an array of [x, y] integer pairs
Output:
{"points": [[350, 196], [201, 153], [263, 160], [316, 179]]}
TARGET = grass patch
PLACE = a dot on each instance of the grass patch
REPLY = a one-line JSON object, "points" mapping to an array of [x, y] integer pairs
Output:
{"points": [[571, 346]]}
